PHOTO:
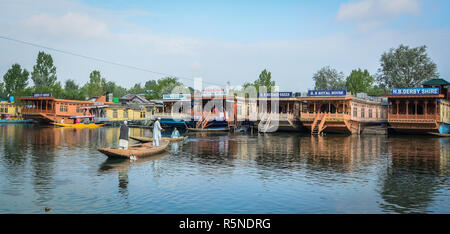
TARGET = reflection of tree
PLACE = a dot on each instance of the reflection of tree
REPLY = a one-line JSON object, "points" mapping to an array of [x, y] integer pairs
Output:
{"points": [[413, 175]]}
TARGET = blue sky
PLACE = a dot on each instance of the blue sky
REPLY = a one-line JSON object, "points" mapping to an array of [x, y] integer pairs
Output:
{"points": [[222, 41]]}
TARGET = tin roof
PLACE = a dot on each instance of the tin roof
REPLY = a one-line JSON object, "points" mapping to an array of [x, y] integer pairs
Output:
{"points": [[436, 82]]}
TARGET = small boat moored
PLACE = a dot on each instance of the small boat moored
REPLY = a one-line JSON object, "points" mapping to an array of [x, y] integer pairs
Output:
{"points": [[209, 129], [150, 139], [80, 122], [135, 152]]}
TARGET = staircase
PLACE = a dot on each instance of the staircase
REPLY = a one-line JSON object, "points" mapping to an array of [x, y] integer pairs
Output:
{"points": [[318, 124]]}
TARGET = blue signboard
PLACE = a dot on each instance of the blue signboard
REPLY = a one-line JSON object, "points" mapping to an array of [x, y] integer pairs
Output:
{"points": [[327, 92], [276, 94], [42, 94], [418, 91]]}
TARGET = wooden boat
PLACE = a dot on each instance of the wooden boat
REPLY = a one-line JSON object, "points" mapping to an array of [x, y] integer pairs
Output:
{"points": [[150, 139], [208, 129], [143, 150], [439, 134], [79, 125]]}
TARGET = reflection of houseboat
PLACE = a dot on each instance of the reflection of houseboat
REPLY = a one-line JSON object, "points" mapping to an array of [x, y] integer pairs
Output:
{"points": [[337, 111], [421, 110]]}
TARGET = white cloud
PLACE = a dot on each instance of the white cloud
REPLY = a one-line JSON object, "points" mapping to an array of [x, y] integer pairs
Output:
{"points": [[69, 25], [368, 14]]}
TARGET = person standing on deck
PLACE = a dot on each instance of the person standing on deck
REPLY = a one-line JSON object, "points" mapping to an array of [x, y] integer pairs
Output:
{"points": [[124, 134], [156, 132]]}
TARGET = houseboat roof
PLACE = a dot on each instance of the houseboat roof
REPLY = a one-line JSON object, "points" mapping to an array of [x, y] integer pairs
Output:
{"points": [[53, 99], [436, 82]]}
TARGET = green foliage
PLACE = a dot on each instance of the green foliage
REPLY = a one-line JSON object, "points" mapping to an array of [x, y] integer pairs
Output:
{"points": [[328, 78], [116, 90], [96, 84], [377, 90], [44, 73], [264, 80], [359, 81], [2, 91], [156, 89], [137, 89], [15, 81], [406, 67], [72, 91]]}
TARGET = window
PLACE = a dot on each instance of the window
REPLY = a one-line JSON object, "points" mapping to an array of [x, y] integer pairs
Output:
{"points": [[125, 114], [362, 112], [370, 113], [355, 112], [115, 113]]}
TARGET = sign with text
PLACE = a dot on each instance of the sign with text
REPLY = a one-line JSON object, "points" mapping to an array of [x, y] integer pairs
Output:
{"points": [[417, 91], [327, 92], [276, 94], [176, 96], [214, 92], [42, 94]]}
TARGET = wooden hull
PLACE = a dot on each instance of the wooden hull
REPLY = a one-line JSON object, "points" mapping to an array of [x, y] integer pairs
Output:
{"points": [[150, 139], [208, 129], [144, 150], [79, 125], [16, 121]]}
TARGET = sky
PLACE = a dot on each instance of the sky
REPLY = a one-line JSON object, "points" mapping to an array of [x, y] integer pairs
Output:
{"points": [[220, 42]]}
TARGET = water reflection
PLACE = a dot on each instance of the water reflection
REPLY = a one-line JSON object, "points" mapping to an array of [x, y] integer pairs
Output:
{"points": [[286, 172], [416, 172], [122, 167]]}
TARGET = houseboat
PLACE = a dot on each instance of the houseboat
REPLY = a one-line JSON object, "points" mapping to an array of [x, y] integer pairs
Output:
{"points": [[44, 108], [278, 111], [337, 111], [10, 112], [132, 108], [420, 110]]}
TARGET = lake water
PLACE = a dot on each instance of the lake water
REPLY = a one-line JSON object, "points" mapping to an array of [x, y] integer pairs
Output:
{"points": [[223, 173]]}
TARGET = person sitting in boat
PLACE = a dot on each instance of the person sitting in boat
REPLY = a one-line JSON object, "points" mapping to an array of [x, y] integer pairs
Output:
{"points": [[156, 132], [175, 133], [123, 136]]}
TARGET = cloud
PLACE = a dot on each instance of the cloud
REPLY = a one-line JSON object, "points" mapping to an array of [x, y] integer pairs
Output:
{"points": [[69, 25], [368, 14]]}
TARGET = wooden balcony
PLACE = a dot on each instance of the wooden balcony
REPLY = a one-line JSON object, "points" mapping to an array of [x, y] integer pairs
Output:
{"points": [[413, 118], [329, 116]]}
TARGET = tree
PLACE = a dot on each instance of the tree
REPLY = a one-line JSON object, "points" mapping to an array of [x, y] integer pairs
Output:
{"points": [[137, 89], [44, 73], [328, 78], [406, 67], [156, 89], [359, 81], [96, 84], [116, 90], [15, 81], [72, 91], [264, 80], [2, 91]]}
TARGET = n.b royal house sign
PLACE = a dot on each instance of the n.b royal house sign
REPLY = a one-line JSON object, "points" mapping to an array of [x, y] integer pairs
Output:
{"points": [[327, 92], [418, 91]]}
